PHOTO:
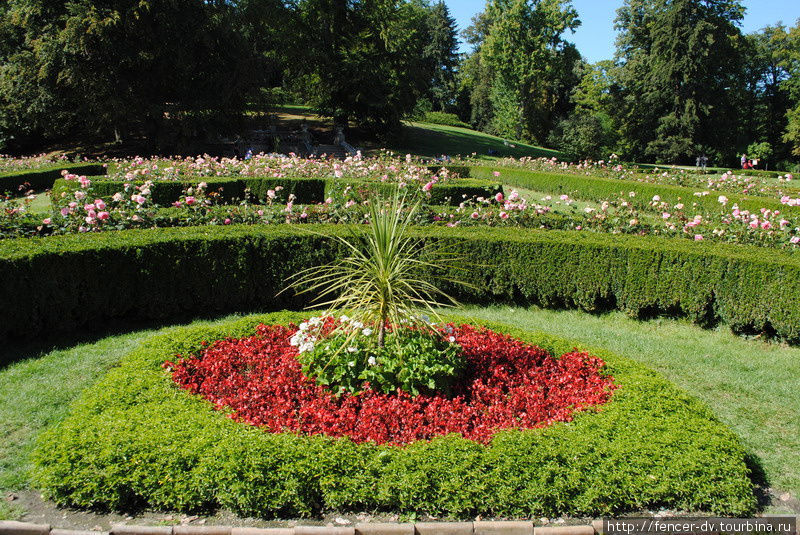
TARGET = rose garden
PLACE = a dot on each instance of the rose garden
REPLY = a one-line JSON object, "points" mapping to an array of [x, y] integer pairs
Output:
{"points": [[393, 397], [398, 267]]}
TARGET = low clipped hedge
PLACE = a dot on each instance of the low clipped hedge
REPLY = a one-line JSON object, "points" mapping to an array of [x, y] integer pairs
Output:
{"points": [[44, 177], [64, 282], [306, 190], [135, 439], [600, 188]]}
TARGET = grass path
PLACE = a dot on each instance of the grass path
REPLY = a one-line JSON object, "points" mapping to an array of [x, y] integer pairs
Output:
{"points": [[752, 386]]}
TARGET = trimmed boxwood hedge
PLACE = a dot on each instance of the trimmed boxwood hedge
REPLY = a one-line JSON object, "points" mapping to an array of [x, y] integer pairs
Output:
{"points": [[63, 282], [44, 177], [135, 439], [600, 188], [306, 190]]}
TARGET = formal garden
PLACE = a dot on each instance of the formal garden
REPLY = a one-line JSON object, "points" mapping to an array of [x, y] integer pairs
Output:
{"points": [[397, 267], [402, 394]]}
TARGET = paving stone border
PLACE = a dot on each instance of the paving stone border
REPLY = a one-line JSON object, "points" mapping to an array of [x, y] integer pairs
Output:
{"points": [[366, 528]]}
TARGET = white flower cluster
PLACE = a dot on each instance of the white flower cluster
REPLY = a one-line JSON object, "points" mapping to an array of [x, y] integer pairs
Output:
{"points": [[307, 334], [310, 332]]}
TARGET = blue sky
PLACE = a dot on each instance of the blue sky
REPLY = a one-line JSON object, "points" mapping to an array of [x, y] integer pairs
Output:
{"points": [[595, 37]]}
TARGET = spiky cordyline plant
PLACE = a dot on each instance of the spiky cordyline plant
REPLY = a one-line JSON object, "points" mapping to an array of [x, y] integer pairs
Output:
{"points": [[379, 282]]}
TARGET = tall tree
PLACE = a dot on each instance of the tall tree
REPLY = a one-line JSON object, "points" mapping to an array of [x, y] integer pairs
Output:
{"points": [[365, 61], [762, 102], [441, 50], [530, 66], [790, 61], [678, 60], [125, 65]]}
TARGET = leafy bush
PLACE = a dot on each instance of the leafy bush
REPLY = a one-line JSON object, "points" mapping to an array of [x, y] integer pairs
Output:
{"points": [[82, 280], [134, 439], [411, 360], [306, 190], [44, 177], [582, 136], [446, 119]]}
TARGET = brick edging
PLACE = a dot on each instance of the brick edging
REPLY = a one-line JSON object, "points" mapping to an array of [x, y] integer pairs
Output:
{"points": [[8, 527]]}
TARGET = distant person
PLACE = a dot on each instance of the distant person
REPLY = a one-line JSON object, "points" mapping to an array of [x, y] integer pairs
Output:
{"points": [[744, 161]]}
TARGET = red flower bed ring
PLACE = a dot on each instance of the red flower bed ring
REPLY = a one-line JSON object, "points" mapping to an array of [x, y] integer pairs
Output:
{"points": [[509, 384]]}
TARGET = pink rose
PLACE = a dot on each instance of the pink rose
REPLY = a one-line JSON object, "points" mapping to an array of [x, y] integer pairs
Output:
{"points": [[698, 237], [498, 197], [103, 215], [46, 221]]}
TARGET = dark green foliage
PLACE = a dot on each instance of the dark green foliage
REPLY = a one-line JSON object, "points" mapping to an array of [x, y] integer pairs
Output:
{"points": [[78, 67], [600, 189], [680, 65], [305, 190], [79, 280], [583, 136], [413, 361], [521, 72], [135, 439], [364, 61], [44, 177]]}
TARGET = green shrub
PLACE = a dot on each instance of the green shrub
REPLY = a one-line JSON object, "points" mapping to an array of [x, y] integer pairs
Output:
{"points": [[446, 119], [44, 177], [64, 282], [413, 361], [600, 188], [306, 190], [134, 439]]}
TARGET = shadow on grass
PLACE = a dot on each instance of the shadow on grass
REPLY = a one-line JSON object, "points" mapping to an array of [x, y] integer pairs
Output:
{"points": [[19, 349]]}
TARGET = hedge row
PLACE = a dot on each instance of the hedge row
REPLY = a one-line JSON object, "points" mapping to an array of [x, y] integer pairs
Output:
{"points": [[306, 190], [135, 440], [600, 188], [44, 177], [63, 282]]}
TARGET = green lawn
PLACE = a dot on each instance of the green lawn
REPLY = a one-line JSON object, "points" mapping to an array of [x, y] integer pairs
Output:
{"points": [[36, 388], [431, 140], [425, 139], [751, 385]]}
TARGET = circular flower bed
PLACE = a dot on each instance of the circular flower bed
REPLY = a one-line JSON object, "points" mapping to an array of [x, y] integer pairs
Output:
{"points": [[507, 384]]}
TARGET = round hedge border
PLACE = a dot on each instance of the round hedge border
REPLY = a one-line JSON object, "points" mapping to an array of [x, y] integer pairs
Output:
{"points": [[66, 282], [136, 439]]}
